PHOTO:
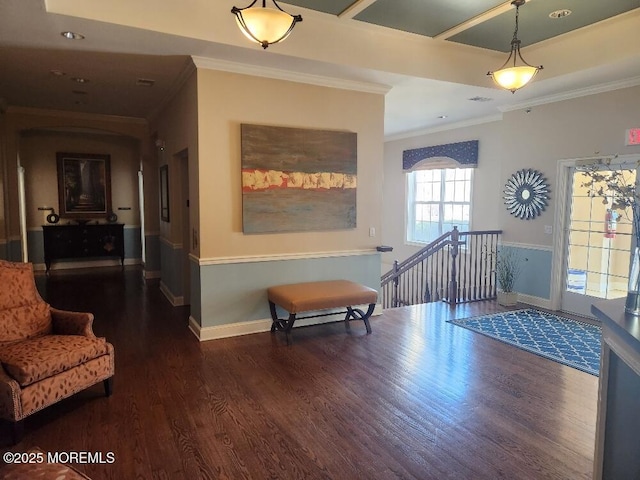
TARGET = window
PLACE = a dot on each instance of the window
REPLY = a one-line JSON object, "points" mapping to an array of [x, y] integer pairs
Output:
{"points": [[437, 201]]}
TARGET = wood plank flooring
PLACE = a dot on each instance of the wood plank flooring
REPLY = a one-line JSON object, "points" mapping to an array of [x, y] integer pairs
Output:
{"points": [[417, 399]]}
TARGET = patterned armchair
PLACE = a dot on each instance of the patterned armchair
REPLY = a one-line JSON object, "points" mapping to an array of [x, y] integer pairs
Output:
{"points": [[46, 354]]}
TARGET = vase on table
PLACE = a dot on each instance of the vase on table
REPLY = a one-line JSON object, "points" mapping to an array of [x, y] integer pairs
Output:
{"points": [[632, 305]]}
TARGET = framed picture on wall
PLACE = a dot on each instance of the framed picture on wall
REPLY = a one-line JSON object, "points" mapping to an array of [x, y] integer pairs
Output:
{"points": [[164, 193], [84, 185]]}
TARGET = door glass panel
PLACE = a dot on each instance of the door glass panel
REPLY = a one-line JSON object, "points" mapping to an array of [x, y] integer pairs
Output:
{"points": [[578, 256], [599, 251]]}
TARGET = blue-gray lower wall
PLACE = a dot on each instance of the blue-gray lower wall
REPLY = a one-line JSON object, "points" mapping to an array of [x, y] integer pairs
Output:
{"points": [[14, 250], [3, 250], [196, 291], [535, 277], [234, 292], [152, 253], [171, 268]]}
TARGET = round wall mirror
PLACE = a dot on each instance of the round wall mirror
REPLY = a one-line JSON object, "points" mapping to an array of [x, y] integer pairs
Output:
{"points": [[526, 194]]}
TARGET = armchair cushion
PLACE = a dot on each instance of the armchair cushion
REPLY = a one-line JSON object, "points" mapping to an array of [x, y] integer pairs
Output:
{"points": [[23, 313], [71, 323], [27, 321], [38, 358]]}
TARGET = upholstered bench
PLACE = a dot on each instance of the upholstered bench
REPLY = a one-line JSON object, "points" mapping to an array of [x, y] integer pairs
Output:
{"points": [[311, 296]]}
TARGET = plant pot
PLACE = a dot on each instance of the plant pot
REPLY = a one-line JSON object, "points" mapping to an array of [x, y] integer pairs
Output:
{"points": [[632, 304], [507, 299]]}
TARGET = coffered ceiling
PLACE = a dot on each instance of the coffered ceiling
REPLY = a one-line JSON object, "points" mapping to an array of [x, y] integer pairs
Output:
{"points": [[481, 23], [429, 57]]}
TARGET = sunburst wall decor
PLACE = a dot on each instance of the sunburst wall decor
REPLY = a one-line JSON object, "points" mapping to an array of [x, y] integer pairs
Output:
{"points": [[526, 194]]}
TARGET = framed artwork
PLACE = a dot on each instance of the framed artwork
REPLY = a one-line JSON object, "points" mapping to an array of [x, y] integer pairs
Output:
{"points": [[84, 185], [296, 179], [164, 193]]}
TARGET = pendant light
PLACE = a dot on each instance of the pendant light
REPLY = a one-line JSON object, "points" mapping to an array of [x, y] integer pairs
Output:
{"points": [[265, 25], [511, 76]]}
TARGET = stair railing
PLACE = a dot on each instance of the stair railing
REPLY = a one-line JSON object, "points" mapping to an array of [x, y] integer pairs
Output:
{"points": [[456, 267]]}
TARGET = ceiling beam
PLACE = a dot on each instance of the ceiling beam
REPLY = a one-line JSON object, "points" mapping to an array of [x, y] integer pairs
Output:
{"points": [[477, 20], [355, 8]]}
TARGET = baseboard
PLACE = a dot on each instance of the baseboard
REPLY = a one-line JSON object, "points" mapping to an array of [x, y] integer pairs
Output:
{"points": [[229, 330], [151, 274], [88, 264], [174, 300], [534, 301], [263, 325]]}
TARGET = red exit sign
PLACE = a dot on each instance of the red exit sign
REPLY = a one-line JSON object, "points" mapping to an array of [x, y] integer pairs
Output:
{"points": [[633, 136]]}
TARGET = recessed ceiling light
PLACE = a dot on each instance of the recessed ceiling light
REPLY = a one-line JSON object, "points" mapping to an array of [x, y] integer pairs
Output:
{"points": [[480, 99], [560, 13], [72, 35], [57, 73], [80, 80], [79, 92], [442, 116]]}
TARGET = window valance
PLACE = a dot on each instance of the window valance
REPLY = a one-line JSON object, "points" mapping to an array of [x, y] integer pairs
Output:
{"points": [[450, 155]]}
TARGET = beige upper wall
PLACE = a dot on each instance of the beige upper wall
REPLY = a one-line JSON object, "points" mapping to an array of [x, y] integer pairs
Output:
{"points": [[577, 128], [227, 100], [177, 127], [18, 120], [486, 184], [38, 157]]}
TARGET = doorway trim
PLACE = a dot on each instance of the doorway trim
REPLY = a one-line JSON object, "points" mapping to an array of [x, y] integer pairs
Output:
{"points": [[558, 257]]}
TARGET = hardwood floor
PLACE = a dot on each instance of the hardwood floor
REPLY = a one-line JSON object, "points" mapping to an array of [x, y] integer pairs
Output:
{"points": [[417, 399]]}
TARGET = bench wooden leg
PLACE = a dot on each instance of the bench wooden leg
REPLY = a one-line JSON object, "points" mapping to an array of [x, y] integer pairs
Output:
{"points": [[281, 324], [357, 314]]}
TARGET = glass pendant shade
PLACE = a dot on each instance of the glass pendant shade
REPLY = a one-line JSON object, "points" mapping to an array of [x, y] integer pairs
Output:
{"points": [[511, 76], [265, 25]]}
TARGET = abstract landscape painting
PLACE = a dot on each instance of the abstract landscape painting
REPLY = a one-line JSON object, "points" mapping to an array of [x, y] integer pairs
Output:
{"points": [[297, 179]]}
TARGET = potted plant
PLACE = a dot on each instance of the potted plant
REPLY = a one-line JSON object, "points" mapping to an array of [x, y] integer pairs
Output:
{"points": [[617, 185], [508, 269]]}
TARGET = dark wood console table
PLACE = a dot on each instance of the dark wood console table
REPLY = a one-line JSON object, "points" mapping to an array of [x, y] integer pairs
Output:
{"points": [[83, 241]]}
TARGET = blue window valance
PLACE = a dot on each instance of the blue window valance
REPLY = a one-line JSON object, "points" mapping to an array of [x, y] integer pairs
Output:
{"points": [[450, 155]]}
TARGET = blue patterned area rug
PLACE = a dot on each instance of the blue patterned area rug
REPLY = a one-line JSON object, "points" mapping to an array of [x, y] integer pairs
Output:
{"points": [[566, 341]]}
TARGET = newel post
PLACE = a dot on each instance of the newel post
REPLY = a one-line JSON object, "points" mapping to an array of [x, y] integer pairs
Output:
{"points": [[394, 302], [453, 283]]}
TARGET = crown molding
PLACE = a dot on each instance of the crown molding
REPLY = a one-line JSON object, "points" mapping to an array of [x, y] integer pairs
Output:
{"points": [[580, 92], [443, 128], [278, 74], [76, 115]]}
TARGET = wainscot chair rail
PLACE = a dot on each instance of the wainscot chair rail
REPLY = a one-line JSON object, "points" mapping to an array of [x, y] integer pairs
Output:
{"points": [[457, 267]]}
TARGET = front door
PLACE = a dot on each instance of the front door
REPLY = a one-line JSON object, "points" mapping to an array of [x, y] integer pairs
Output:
{"points": [[597, 250]]}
